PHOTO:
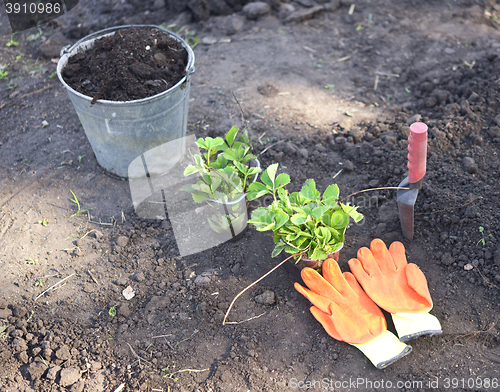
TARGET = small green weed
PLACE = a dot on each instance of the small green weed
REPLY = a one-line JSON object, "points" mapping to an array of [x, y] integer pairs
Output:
{"points": [[53, 75], [80, 209], [112, 311], [44, 222], [39, 282], [483, 240], [12, 42], [3, 335], [188, 35], [32, 261]]}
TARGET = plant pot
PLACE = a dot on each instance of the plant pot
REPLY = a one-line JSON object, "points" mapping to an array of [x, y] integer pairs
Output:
{"points": [[229, 220], [121, 131], [295, 268]]}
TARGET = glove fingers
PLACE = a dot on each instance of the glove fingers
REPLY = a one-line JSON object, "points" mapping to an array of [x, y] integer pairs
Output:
{"points": [[366, 302], [315, 281], [397, 251], [359, 272], [333, 274], [382, 255], [418, 282], [367, 260], [320, 302], [326, 321]]}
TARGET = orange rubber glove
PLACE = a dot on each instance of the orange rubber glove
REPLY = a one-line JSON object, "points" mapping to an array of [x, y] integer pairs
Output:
{"points": [[397, 287], [349, 315]]}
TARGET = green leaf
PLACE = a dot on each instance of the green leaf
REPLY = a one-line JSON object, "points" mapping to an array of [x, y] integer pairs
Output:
{"points": [[308, 191], [230, 154], [262, 219], [231, 135], [299, 219], [332, 192], [256, 190], [280, 217], [269, 175], [280, 246], [191, 169], [317, 213], [352, 212], [282, 180], [339, 220], [318, 254]]}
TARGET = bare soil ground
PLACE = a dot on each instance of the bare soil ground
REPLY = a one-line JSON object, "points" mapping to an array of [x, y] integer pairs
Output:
{"points": [[336, 84]]}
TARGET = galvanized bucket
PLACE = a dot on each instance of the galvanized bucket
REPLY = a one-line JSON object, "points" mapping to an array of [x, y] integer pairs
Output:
{"points": [[118, 131]]}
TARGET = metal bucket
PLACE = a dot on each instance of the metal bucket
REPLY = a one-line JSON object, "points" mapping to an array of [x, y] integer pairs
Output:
{"points": [[119, 131]]}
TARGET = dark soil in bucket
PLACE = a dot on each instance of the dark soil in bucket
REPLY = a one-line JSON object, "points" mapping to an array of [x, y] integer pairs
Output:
{"points": [[131, 64]]}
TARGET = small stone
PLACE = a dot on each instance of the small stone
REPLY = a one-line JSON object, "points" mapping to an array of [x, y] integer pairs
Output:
{"points": [[159, 4], [78, 386], [122, 241], [357, 133], [234, 24], [17, 333], [23, 357], [373, 183], [124, 311], [35, 370], [98, 234], [209, 40], [468, 266], [289, 148], [349, 166], [3, 304], [414, 118], [256, 10], [95, 366], [202, 280], [266, 298], [139, 277], [128, 293], [19, 312], [470, 165], [340, 140], [447, 259], [5, 313], [303, 153], [19, 344], [69, 376], [53, 372], [63, 353]]}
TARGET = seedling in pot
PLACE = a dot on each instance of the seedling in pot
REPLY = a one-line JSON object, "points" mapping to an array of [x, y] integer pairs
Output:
{"points": [[305, 223], [225, 172]]}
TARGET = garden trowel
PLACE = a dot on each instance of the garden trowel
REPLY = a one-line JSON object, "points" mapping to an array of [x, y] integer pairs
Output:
{"points": [[417, 154]]}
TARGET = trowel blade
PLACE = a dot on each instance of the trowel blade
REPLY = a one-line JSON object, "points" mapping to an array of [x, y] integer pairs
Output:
{"points": [[406, 203]]}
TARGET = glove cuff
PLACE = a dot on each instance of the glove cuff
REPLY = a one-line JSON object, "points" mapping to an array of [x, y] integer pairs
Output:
{"points": [[412, 325], [384, 350]]}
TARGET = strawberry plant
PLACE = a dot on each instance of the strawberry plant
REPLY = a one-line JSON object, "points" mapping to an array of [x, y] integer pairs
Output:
{"points": [[225, 168], [306, 223]]}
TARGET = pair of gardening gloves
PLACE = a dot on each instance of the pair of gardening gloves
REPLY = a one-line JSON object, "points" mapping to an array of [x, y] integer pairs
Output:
{"points": [[351, 314]]}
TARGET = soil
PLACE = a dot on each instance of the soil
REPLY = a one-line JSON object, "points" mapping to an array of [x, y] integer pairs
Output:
{"points": [[133, 63], [328, 90]]}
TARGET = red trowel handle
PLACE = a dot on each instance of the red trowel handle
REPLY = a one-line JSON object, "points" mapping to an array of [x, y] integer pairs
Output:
{"points": [[417, 155]]}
